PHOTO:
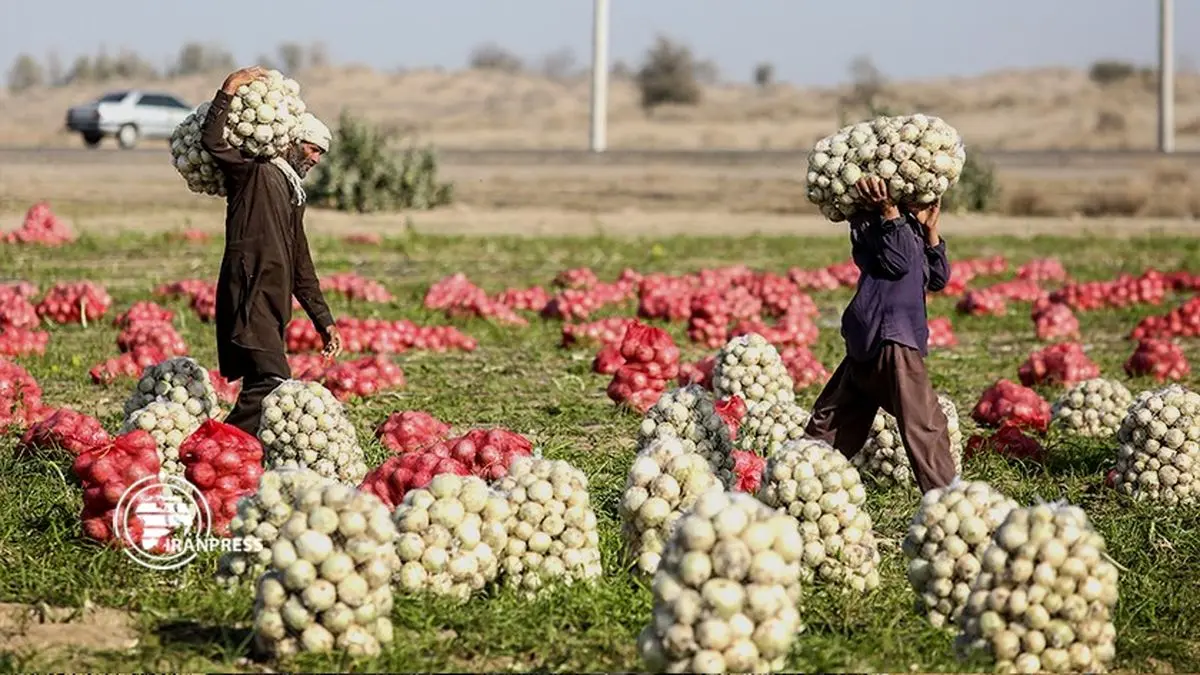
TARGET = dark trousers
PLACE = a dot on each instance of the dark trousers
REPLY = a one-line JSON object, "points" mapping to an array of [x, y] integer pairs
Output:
{"points": [[263, 372], [896, 381]]}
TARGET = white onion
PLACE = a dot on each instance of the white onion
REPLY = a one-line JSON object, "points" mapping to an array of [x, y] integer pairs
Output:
{"points": [[451, 535], [552, 536], [749, 366], [1044, 598], [328, 591], [664, 481], [819, 487], [304, 426], [945, 543], [1159, 451], [725, 594]]}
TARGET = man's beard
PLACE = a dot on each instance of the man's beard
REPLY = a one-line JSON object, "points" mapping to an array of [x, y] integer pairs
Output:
{"points": [[295, 156]]}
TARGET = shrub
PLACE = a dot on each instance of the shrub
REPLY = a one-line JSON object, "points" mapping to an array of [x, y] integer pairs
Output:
{"points": [[362, 173], [977, 188], [1109, 72], [668, 75], [494, 57], [764, 75]]}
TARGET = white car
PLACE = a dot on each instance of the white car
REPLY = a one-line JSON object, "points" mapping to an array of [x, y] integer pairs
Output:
{"points": [[129, 116]]}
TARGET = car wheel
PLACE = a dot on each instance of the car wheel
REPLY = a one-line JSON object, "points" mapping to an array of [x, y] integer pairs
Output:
{"points": [[92, 140], [127, 136]]}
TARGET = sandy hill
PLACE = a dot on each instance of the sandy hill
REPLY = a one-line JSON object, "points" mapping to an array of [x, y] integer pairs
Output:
{"points": [[1031, 109]]}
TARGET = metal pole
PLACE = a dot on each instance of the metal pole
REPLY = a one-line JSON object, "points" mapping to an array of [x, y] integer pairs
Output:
{"points": [[1166, 76], [599, 125]]}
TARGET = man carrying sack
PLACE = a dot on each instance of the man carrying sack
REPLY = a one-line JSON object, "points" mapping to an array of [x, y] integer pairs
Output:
{"points": [[266, 260]]}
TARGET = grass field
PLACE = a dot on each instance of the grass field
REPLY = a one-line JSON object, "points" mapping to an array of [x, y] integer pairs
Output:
{"points": [[522, 379]]}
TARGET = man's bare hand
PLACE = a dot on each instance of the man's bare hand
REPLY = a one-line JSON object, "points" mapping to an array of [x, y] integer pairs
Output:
{"points": [[929, 218], [333, 343], [874, 192], [244, 76]]}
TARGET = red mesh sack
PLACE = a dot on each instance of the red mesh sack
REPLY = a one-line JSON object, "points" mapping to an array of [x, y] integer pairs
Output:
{"points": [[489, 452], [106, 473], [1007, 401], [393, 479], [224, 463], [1010, 441], [65, 429], [410, 431], [747, 471]]}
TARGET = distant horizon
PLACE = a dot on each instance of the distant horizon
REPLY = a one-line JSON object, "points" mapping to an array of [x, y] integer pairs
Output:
{"points": [[806, 45]]}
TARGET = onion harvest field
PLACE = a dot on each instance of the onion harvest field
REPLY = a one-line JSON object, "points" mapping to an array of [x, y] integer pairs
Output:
{"points": [[510, 363]]}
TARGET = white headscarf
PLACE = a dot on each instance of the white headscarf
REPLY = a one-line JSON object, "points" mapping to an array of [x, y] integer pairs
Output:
{"points": [[310, 130]]}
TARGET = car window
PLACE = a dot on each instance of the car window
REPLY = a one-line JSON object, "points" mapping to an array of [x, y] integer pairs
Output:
{"points": [[114, 97], [173, 102], [156, 100]]}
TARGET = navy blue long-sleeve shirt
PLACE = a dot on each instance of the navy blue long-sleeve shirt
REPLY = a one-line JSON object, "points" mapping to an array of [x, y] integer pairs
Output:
{"points": [[897, 269]]}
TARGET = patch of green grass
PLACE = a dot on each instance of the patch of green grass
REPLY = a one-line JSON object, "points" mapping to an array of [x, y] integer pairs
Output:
{"points": [[522, 379]]}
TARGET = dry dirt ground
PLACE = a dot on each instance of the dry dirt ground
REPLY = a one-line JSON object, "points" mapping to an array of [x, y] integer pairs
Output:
{"points": [[114, 190], [43, 633], [1017, 109]]}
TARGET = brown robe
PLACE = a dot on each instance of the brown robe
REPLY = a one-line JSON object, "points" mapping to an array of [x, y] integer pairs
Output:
{"points": [[266, 259]]}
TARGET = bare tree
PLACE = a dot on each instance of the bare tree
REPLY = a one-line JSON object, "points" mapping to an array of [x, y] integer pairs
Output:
{"points": [[25, 73]]}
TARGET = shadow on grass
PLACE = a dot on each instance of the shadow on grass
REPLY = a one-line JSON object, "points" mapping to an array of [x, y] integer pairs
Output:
{"points": [[195, 634]]}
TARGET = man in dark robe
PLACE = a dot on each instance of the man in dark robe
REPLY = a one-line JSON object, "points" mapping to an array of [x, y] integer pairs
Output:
{"points": [[266, 260]]}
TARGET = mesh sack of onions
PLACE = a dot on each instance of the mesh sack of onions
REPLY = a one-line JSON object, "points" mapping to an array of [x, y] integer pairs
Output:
{"points": [[106, 472], [411, 430], [170, 424], [1092, 408], [664, 481], [328, 586], [259, 517], [690, 415], [451, 536], [224, 463], [883, 459], [65, 429], [393, 479], [191, 160], [919, 156], [1044, 598], [750, 367], [552, 535], [818, 486], [725, 593], [945, 543], [767, 426], [304, 426], [177, 380], [1159, 452]]}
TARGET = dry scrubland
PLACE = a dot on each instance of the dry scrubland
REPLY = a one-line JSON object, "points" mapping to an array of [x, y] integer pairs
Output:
{"points": [[479, 109], [1012, 110], [72, 605]]}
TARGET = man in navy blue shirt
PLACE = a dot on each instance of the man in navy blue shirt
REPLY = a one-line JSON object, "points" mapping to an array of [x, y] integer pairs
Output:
{"points": [[900, 255]]}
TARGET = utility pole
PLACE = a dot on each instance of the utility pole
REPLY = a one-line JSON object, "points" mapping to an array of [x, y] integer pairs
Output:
{"points": [[1166, 76], [599, 125]]}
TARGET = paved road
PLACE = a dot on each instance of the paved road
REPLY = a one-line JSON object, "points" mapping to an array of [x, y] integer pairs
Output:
{"points": [[1003, 159]]}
